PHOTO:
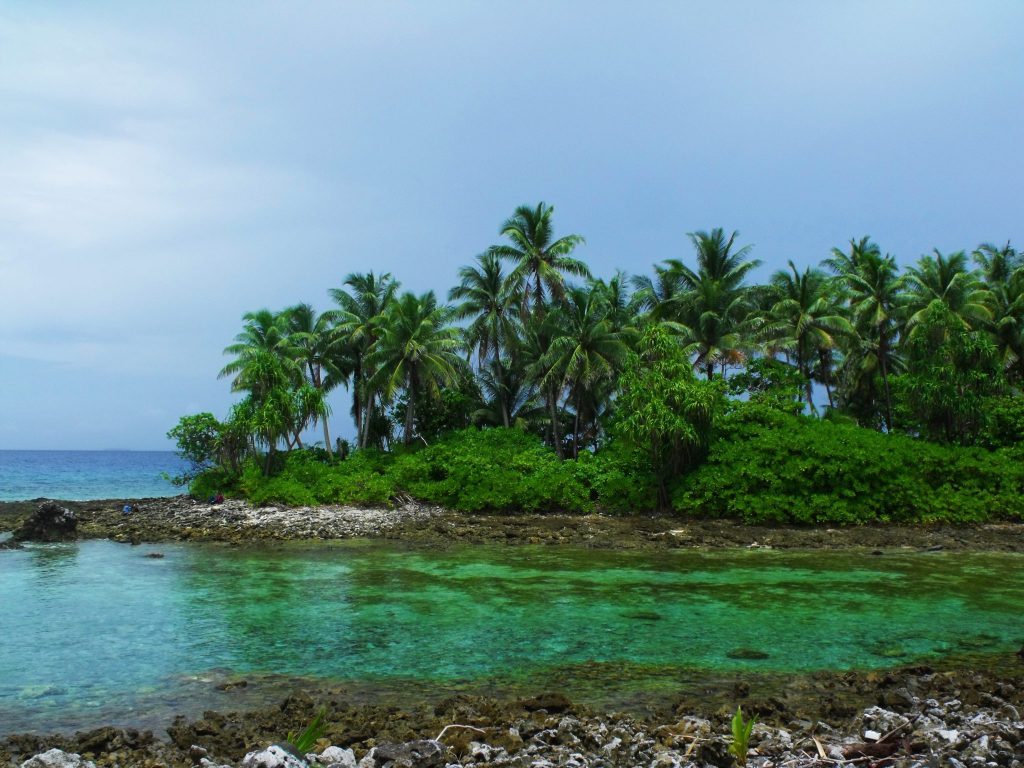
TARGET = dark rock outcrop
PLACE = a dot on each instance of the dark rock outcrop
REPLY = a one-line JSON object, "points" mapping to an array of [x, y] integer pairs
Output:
{"points": [[50, 522]]}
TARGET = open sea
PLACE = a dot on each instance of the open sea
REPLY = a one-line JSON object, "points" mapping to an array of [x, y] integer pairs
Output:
{"points": [[82, 475]]}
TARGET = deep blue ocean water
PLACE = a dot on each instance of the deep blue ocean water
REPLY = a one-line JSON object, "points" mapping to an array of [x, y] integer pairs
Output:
{"points": [[81, 475]]}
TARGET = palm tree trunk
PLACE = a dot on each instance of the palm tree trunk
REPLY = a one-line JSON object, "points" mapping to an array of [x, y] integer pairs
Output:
{"points": [[576, 430], [556, 437], [809, 388], [883, 355], [364, 438], [410, 409], [327, 438]]}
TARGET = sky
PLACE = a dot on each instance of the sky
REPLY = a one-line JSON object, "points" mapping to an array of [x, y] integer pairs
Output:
{"points": [[166, 167]]}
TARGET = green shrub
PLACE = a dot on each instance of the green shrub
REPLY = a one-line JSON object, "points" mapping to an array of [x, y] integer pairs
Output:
{"points": [[769, 467]]}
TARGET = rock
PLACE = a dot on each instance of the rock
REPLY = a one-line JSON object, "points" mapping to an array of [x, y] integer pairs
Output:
{"points": [[197, 753], [747, 654], [50, 522], [334, 757], [274, 756], [56, 758], [425, 753], [550, 702]]}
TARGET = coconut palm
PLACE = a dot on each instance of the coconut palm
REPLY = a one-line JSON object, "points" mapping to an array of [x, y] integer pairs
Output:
{"points": [[586, 350], [711, 304], [946, 280], [540, 261], [804, 321], [509, 395], [361, 308], [316, 343], [487, 297], [870, 284], [416, 351], [262, 338]]}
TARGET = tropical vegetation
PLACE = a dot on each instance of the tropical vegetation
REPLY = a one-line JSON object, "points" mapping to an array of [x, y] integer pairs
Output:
{"points": [[850, 391]]}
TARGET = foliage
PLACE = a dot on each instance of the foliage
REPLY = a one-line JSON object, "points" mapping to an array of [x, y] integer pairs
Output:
{"points": [[305, 741], [664, 410], [770, 382], [198, 440], [551, 363], [769, 467], [951, 370], [741, 731]]}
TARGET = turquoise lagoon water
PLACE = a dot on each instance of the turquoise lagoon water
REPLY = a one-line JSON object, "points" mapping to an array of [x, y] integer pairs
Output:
{"points": [[96, 632], [81, 475]]}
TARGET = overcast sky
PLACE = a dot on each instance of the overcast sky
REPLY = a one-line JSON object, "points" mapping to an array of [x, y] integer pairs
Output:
{"points": [[166, 167]]}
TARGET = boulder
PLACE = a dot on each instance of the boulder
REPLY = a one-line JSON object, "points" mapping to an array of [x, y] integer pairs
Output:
{"points": [[274, 756], [425, 753], [56, 758], [50, 522], [334, 757]]}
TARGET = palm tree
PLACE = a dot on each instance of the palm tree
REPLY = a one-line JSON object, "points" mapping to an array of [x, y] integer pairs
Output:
{"points": [[945, 280], [586, 350], [540, 261], [712, 303], [850, 263], [998, 264], [870, 284], [804, 320], [315, 342], [361, 311], [509, 395], [487, 296], [262, 338], [272, 379], [1003, 270], [417, 350]]}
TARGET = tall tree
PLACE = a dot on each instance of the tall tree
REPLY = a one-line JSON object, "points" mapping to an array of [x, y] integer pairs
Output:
{"points": [[417, 351], [804, 320], [712, 304], [945, 280], [315, 342], [586, 350], [487, 297], [540, 261], [870, 284], [361, 308]]}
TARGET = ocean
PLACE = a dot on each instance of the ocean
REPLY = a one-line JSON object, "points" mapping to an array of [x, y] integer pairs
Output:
{"points": [[83, 475]]}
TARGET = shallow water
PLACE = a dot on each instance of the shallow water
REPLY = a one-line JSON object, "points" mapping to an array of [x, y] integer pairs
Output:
{"points": [[82, 475], [97, 632]]}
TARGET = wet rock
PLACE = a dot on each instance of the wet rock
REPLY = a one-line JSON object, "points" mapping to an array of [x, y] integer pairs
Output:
{"points": [[549, 702], [50, 522], [425, 753], [274, 756], [747, 654], [55, 758]]}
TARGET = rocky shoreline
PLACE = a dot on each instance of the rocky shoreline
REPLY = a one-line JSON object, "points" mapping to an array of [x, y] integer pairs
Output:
{"points": [[182, 518], [913, 717]]}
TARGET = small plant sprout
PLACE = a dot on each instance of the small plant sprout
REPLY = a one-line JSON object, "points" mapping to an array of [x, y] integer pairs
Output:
{"points": [[740, 737], [305, 741]]}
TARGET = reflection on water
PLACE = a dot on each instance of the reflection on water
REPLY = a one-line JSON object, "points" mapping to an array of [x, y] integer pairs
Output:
{"points": [[97, 631]]}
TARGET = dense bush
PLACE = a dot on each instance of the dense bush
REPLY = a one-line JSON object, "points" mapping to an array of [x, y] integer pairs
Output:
{"points": [[774, 467], [766, 466], [496, 470]]}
